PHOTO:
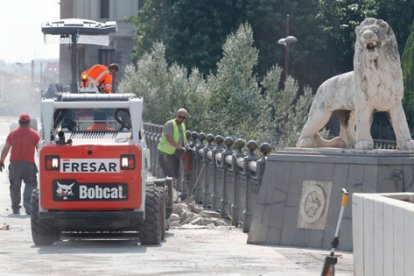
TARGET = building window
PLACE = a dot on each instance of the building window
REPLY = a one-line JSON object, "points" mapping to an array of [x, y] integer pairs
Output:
{"points": [[105, 56], [104, 8]]}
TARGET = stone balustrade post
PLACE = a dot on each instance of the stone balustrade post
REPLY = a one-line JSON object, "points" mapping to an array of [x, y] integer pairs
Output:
{"points": [[227, 177], [186, 175], [217, 172], [194, 162], [157, 137], [265, 149], [250, 169], [194, 136], [151, 137], [199, 182], [208, 171], [153, 146], [237, 160]]}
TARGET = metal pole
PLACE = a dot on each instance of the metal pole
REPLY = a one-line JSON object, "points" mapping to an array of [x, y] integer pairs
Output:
{"points": [[331, 260], [32, 72], [74, 62], [287, 47], [41, 74]]}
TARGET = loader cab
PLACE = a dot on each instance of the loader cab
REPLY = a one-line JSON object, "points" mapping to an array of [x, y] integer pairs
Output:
{"points": [[76, 114], [96, 119]]}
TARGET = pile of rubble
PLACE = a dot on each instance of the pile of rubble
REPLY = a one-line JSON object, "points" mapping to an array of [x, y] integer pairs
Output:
{"points": [[188, 212]]}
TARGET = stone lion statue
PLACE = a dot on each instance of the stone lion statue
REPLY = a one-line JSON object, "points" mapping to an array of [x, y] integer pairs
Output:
{"points": [[376, 84]]}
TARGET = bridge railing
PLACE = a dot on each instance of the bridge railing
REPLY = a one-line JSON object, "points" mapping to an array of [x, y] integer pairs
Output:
{"points": [[384, 144], [225, 175]]}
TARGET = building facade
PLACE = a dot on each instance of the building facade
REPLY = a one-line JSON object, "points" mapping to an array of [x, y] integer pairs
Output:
{"points": [[120, 43]]}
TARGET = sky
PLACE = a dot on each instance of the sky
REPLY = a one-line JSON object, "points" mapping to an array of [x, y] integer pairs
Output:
{"points": [[20, 29]]}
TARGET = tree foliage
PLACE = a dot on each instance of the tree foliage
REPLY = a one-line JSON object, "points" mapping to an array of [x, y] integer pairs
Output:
{"points": [[150, 81], [235, 95], [231, 102], [269, 22], [165, 88], [285, 112], [194, 32], [407, 62], [151, 25], [338, 20], [399, 14]]}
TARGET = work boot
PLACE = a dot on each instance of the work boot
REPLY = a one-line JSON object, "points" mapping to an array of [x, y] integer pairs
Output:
{"points": [[28, 209], [16, 210]]}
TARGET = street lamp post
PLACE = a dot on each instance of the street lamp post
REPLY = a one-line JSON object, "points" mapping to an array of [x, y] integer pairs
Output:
{"points": [[289, 39]]}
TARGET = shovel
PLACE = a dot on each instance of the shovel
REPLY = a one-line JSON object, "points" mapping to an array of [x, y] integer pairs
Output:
{"points": [[331, 259]]}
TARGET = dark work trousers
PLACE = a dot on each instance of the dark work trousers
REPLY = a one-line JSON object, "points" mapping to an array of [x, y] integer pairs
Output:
{"points": [[27, 172], [170, 164]]}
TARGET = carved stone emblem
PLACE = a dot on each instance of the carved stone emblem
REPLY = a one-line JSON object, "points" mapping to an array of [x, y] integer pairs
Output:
{"points": [[313, 204]]}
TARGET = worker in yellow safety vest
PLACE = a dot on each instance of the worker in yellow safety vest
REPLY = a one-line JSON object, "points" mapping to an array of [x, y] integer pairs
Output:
{"points": [[172, 144], [100, 76]]}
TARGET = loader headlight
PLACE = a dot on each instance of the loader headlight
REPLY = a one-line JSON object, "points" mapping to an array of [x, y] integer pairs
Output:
{"points": [[52, 162], [127, 162]]}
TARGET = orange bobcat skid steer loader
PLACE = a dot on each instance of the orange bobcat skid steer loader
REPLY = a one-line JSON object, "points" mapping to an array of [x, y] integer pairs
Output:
{"points": [[95, 181]]}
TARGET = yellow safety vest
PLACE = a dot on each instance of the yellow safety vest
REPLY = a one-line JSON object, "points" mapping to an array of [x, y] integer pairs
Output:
{"points": [[166, 147]]}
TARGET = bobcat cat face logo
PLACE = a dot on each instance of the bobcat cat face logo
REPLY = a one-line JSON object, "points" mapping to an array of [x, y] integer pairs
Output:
{"points": [[64, 191]]}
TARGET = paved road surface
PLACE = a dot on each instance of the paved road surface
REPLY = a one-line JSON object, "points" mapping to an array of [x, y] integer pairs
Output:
{"points": [[186, 251]]}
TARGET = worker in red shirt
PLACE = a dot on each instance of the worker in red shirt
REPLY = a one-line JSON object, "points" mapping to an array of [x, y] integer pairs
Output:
{"points": [[100, 76], [23, 141]]}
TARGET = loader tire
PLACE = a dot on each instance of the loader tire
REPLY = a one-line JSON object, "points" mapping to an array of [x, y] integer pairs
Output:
{"points": [[42, 232], [164, 224], [152, 229], [169, 201]]}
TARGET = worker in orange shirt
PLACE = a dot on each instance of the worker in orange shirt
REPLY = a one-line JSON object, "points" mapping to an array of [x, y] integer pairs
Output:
{"points": [[100, 76]]}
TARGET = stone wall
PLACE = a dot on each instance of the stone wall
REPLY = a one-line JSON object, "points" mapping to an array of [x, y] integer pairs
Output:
{"points": [[300, 195], [383, 230]]}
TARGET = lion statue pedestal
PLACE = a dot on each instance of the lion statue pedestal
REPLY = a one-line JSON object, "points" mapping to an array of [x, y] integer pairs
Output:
{"points": [[376, 84], [300, 195]]}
